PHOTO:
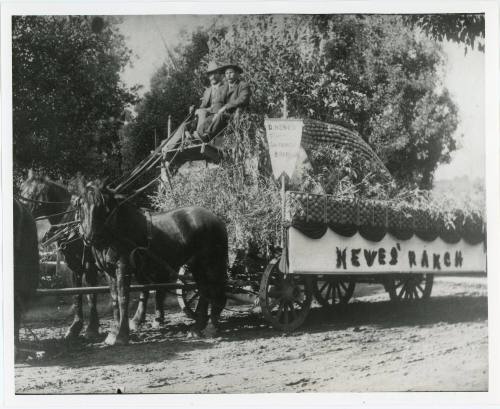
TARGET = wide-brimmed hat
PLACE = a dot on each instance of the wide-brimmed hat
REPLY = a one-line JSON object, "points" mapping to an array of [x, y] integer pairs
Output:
{"points": [[224, 67], [212, 67]]}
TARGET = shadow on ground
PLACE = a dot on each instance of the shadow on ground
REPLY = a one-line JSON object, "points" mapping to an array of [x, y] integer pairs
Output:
{"points": [[167, 343], [450, 309]]}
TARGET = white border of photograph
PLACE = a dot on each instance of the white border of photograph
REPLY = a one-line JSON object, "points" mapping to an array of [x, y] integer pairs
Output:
{"points": [[408, 399]]}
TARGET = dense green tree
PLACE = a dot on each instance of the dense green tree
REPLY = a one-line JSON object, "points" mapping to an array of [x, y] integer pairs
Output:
{"points": [[368, 73], [372, 74], [466, 29], [68, 100]]}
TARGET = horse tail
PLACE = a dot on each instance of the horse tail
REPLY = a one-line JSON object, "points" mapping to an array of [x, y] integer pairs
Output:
{"points": [[222, 249]]}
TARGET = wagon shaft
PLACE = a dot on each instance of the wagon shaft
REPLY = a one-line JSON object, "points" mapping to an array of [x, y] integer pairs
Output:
{"points": [[105, 289]]}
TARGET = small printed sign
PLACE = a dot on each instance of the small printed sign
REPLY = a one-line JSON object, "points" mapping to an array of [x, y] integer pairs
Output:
{"points": [[283, 137]]}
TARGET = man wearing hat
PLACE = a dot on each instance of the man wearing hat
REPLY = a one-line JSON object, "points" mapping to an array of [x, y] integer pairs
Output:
{"points": [[235, 94], [238, 91], [212, 101]]}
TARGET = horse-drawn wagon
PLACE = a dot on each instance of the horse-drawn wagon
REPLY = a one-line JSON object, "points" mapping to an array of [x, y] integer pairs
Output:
{"points": [[328, 244], [331, 244]]}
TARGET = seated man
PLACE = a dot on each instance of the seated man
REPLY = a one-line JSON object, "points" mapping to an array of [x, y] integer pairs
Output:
{"points": [[235, 93], [212, 100]]}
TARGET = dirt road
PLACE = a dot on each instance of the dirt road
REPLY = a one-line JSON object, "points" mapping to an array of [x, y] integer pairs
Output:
{"points": [[372, 345]]}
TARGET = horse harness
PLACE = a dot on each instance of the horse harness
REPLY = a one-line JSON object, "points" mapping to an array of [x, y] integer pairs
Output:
{"points": [[111, 256]]}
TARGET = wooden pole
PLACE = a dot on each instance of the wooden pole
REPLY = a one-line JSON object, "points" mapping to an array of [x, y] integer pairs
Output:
{"points": [[283, 209], [164, 177], [105, 289], [156, 142], [230, 292], [283, 181]]}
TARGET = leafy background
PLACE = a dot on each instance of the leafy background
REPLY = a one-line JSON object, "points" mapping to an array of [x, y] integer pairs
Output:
{"points": [[381, 76]]}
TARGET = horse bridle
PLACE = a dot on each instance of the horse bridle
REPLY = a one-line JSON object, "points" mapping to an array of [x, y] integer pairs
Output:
{"points": [[27, 199], [135, 247], [42, 202], [111, 213]]}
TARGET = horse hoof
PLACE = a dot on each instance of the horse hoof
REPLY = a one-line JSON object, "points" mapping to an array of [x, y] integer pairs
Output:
{"points": [[158, 324], [74, 330], [193, 334], [110, 339], [70, 336], [210, 331], [134, 325], [91, 333], [121, 340]]}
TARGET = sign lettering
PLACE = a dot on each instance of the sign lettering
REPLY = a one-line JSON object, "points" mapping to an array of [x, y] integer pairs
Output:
{"points": [[350, 255], [283, 137]]}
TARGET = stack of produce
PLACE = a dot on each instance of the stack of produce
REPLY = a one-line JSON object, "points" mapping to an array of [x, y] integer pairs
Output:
{"points": [[313, 214], [317, 132]]}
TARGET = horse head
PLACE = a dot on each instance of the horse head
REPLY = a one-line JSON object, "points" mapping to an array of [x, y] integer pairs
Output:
{"points": [[43, 196], [96, 205], [36, 189]]}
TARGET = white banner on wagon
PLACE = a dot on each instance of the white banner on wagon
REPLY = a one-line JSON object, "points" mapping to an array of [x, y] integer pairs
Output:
{"points": [[336, 254], [283, 137]]}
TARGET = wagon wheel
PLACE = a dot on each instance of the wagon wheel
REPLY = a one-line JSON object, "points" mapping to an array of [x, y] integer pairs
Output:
{"points": [[331, 292], [187, 298], [411, 287], [285, 302]]}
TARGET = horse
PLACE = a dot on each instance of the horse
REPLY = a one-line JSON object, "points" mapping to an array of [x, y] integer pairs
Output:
{"points": [[26, 262], [49, 199], [119, 232]]}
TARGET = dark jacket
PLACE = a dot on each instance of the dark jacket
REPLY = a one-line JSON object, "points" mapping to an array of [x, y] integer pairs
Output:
{"points": [[214, 103], [238, 97]]}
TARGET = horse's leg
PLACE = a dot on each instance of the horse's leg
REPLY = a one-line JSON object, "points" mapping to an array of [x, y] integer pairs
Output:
{"points": [[110, 339], [123, 286], [92, 330], [201, 311], [77, 325], [140, 314], [197, 267], [217, 304], [159, 308], [216, 279]]}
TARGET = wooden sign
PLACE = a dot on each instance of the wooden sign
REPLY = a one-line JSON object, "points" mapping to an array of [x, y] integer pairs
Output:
{"points": [[336, 254], [283, 137]]}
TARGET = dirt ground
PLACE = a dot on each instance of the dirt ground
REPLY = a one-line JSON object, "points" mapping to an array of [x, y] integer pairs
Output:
{"points": [[372, 345]]}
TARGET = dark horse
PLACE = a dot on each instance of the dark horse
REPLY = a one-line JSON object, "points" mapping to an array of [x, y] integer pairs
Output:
{"points": [[50, 199], [120, 233], [26, 267]]}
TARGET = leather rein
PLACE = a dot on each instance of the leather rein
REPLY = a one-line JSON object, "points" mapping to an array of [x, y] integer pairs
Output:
{"points": [[26, 199], [129, 243]]}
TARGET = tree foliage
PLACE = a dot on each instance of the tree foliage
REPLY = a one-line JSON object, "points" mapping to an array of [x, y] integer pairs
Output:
{"points": [[368, 73], [68, 100], [467, 29], [371, 74]]}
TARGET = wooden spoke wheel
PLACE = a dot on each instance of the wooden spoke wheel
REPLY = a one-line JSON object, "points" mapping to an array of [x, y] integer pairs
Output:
{"points": [[285, 302], [187, 298], [331, 292], [410, 287]]}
